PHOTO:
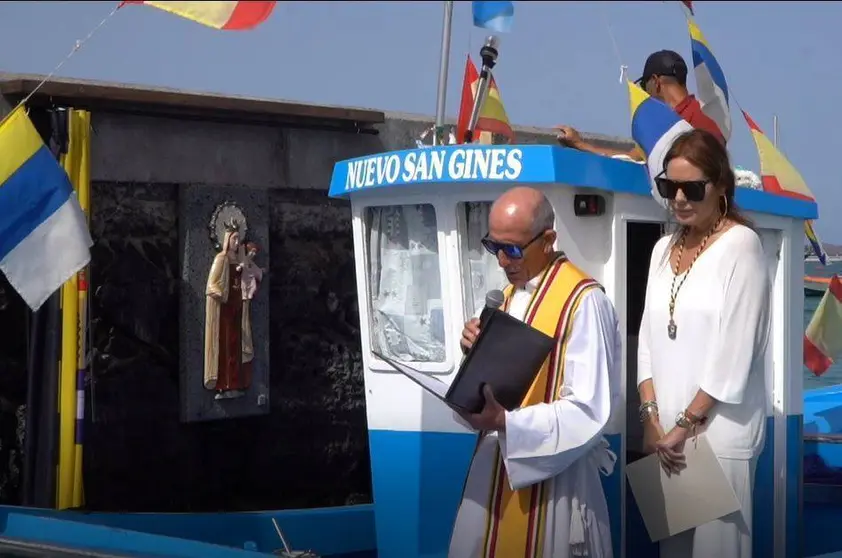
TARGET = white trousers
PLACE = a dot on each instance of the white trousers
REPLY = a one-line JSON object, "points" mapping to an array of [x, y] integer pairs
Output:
{"points": [[727, 537]]}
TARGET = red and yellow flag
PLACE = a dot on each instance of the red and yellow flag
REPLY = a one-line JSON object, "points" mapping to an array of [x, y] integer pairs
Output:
{"points": [[776, 172], [492, 117], [823, 339], [235, 16]]}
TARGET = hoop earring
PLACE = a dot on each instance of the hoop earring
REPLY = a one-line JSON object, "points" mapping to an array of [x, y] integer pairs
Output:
{"points": [[725, 212]]}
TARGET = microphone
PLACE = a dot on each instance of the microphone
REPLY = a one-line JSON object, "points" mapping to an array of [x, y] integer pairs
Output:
{"points": [[489, 54], [493, 301]]}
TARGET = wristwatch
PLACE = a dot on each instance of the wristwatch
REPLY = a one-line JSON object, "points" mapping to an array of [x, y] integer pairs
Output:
{"points": [[686, 419], [682, 421]]}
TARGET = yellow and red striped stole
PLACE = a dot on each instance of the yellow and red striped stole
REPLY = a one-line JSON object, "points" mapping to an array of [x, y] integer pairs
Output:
{"points": [[516, 519]]}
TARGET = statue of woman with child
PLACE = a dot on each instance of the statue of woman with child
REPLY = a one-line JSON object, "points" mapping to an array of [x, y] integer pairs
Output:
{"points": [[232, 284]]}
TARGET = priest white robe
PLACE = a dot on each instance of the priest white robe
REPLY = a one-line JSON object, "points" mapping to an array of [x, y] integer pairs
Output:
{"points": [[561, 442]]}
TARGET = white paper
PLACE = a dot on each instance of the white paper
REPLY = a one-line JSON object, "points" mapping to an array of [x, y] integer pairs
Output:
{"points": [[426, 381], [672, 504]]}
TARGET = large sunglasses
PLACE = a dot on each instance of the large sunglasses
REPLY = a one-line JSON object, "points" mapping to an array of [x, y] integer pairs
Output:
{"points": [[512, 251], [694, 190]]}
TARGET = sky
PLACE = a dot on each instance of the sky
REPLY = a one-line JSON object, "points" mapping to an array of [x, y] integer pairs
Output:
{"points": [[558, 65]]}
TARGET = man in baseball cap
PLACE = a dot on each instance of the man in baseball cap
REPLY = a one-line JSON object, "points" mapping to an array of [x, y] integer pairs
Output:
{"points": [[664, 78]]}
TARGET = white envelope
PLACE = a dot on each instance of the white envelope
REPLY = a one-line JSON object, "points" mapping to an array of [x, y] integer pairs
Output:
{"points": [[672, 504]]}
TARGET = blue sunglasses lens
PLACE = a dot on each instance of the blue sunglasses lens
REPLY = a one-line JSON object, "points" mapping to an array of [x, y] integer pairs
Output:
{"points": [[511, 251]]}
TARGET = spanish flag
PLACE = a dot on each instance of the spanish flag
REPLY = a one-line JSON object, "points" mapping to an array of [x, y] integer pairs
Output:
{"points": [[235, 16], [823, 339], [776, 172], [492, 117]]}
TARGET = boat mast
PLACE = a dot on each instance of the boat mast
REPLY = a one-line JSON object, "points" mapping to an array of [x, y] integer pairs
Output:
{"points": [[775, 130], [438, 135]]}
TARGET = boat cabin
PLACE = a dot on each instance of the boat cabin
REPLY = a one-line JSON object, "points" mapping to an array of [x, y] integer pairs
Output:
{"points": [[418, 217]]}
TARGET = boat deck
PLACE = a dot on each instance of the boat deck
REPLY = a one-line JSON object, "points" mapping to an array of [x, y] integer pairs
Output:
{"points": [[16, 548]]}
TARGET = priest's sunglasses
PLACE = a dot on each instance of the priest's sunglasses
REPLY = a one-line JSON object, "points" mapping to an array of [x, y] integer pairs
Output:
{"points": [[512, 251], [694, 190]]}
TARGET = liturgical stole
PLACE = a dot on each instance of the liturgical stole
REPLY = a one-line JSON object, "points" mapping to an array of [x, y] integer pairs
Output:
{"points": [[516, 519]]}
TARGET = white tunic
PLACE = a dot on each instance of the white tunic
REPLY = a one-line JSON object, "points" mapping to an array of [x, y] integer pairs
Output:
{"points": [[722, 314], [560, 443], [723, 317]]}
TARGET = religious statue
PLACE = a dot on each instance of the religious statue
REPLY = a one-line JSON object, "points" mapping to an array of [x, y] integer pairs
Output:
{"points": [[229, 348]]}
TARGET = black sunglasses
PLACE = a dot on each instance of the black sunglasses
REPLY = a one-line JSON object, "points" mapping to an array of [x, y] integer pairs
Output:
{"points": [[512, 251], [694, 190]]}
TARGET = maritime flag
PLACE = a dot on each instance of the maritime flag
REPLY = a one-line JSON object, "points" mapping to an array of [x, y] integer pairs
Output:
{"points": [[44, 237]]}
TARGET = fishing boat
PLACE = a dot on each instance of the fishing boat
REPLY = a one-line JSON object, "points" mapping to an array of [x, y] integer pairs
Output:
{"points": [[439, 198], [815, 286], [419, 454]]}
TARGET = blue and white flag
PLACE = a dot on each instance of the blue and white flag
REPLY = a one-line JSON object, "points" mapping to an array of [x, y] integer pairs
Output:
{"points": [[655, 126], [44, 237], [495, 16], [710, 81]]}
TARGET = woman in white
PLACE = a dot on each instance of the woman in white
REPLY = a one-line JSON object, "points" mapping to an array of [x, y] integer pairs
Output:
{"points": [[703, 338]]}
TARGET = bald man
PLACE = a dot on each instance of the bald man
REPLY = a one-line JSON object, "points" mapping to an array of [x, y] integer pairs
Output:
{"points": [[534, 480]]}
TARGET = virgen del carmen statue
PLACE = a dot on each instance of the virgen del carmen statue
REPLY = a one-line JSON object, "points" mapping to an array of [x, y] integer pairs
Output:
{"points": [[233, 281]]}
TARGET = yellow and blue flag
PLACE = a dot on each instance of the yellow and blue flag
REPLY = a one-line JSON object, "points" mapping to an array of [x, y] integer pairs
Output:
{"points": [[492, 15], [655, 126], [815, 243], [44, 237], [711, 86]]}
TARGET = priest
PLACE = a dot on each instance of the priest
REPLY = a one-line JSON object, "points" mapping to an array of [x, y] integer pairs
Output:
{"points": [[533, 488]]}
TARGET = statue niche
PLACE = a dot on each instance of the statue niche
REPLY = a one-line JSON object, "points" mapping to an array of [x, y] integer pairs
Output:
{"points": [[232, 283]]}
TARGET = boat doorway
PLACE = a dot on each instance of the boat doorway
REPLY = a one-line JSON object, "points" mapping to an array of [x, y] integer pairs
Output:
{"points": [[641, 238]]}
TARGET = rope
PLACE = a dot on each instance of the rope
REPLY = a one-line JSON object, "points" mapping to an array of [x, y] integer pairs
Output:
{"points": [[623, 67], [73, 51]]}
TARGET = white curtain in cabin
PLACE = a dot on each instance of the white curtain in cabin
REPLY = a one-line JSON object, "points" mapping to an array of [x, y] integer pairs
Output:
{"points": [[407, 320], [483, 271]]}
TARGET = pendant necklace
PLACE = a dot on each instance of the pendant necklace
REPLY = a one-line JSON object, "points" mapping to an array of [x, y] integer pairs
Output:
{"points": [[672, 328]]}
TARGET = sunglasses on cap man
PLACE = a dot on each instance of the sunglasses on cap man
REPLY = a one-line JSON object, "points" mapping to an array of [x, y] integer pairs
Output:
{"points": [[663, 63], [694, 190], [512, 251]]}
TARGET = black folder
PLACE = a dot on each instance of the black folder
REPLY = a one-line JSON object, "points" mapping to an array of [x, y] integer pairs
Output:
{"points": [[507, 356]]}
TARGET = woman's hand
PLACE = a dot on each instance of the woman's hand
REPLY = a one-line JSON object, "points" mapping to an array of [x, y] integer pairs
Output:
{"points": [[671, 450], [652, 432]]}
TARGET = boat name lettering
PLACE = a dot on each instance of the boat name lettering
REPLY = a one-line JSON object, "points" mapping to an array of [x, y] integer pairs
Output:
{"points": [[431, 165]]}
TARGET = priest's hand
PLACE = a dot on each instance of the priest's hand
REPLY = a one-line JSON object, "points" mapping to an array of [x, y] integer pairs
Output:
{"points": [[469, 334], [671, 450], [492, 416]]}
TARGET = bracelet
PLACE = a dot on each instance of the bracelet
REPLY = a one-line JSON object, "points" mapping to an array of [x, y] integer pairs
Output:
{"points": [[695, 419], [647, 410]]}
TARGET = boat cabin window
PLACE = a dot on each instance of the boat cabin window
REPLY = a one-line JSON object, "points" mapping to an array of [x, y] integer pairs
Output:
{"points": [[404, 283], [479, 268]]}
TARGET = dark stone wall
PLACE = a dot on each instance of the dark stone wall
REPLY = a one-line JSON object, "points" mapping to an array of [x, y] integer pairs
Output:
{"points": [[310, 451], [13, 339], [317, 379]]}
